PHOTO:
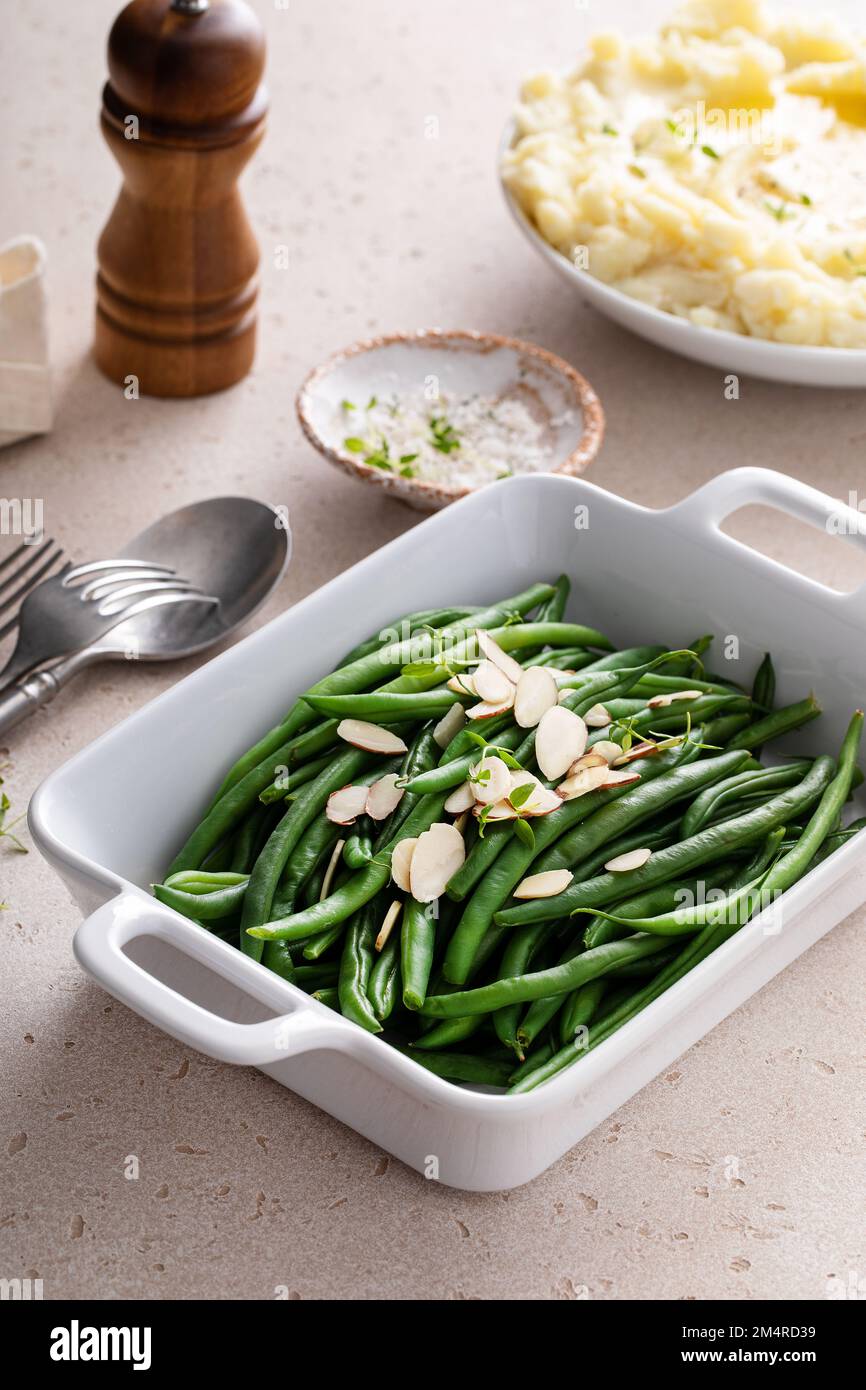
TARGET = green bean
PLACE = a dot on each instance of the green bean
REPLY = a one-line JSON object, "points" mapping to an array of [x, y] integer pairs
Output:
{"points": [[383, 988], [410, 622], [378, 705], [793, 864], [522, 947], [417, 942], [462, 1066], [275, 855], [329, 996], [692, 954], [699, 849], [451, 774], [511, 866], [286, 782], [541, 1053], [318, 946], [479, 859], [314, 846], [447, 1032], [780, 722], [629, 656], [638, 804], [360, 888], [356, 963], [310, 977], [205, 907], [278, 958], [559, 979], [764, 687], [199, 881], [422, 754], [561, 659], [719, 732], [731, 790], [644, 837], [581, 1008], [358, 850]]}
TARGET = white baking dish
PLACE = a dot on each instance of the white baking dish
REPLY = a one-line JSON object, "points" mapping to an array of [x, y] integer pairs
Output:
{"points": [[111, 819]]}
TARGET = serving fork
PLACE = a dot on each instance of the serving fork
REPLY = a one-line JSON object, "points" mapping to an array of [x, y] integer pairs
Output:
{"points": [[75, 606]]}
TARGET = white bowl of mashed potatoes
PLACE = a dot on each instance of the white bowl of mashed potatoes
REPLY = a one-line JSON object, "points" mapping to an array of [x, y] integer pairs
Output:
{"points": [[705, 186]]}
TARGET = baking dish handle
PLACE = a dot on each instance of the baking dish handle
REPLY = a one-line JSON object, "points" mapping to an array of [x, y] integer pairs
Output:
{"points": [[99, 948], [706, 508]]}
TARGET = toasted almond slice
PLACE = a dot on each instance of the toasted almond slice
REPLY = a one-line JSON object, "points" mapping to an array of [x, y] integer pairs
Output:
{"points": [[492, 650], [449, 725], [501, 810], [546, 885], [491, 685], [607, 750], [388, 925], [491, 779], [540, 801], [662, 701], [637, 750], [589, 759], [461, 823], [537, 692], [635, 859], [485, 711], [344, 806], [401, 861], [384, 797], [597, 718], [331, 869], [438, 855], [560, 739], [371, 737], [620, 777], [588, 779], [462, 684], [461, 799]]}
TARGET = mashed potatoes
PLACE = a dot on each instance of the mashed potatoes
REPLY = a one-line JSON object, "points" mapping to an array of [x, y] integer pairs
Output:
{"points": [[716, 170]]}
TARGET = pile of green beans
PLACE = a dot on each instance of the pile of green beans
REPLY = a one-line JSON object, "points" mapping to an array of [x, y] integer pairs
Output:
{"points": [[479, 987]]}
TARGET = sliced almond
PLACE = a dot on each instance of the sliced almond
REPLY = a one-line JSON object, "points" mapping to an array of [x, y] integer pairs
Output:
{"points": [[344, 806], [589, 759], [491, 685], [384, 797], [389, 923], [462, 684], [598, 717], [401, 862], [485, 711], [607, 750], [449, 725], [461, 822], [635, 859], [331, 870], [501, 810], [491, 779], [537, 692], [662, 701], [637, 750], [546, 885], [540, 801], [371, 737], [620, 777], [560, 739], [439, 853], [461, 799], [492, 650], [588, 779]]}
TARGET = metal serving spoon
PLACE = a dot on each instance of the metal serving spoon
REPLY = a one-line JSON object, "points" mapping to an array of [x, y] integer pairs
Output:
{"points": [[232, 547]]}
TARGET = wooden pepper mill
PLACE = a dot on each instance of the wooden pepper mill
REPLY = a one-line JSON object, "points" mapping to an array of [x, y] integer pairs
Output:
{"points": [[183, 111]]}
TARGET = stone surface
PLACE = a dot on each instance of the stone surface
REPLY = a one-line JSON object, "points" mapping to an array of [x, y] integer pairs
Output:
{"points": [[740, 1173]]}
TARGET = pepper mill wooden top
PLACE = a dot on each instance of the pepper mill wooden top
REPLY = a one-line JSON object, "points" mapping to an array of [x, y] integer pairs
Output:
{"points": [[183, 111]]}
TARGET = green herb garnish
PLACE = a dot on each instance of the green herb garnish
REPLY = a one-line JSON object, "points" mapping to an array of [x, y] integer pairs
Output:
{"points": [[445, 438], [710, 152]]}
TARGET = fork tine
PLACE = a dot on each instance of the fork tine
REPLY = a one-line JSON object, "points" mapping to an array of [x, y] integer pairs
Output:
{"points": [[98, 588], [118, 601], [36, 553], [21, 592], [97, 566]]}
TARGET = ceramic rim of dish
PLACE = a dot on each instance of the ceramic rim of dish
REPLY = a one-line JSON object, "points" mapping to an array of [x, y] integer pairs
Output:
{"points": [[649, 311], [439, 493]]}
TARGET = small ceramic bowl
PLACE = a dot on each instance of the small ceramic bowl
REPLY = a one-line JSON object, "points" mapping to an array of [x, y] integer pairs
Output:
{"points": [[463, 363]]}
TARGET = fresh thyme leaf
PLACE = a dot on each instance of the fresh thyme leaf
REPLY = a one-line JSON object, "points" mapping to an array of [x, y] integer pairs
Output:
{"points": [[608, 129], [372, 402], [348, 405], [408, 458], [354, 445], [444, 436], [781, 213], [710, 152], [635, 169], [520, 795], [805, 200]]}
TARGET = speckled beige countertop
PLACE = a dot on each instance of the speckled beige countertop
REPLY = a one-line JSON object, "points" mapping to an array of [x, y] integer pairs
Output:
{"points": [[739, 1174]]}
